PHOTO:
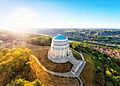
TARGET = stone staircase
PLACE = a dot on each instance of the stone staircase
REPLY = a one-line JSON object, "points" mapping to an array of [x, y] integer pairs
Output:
{"points": [[77, 65]]}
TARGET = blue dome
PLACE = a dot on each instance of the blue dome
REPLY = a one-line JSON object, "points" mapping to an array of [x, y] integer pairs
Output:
{"points": [[60, 37]]}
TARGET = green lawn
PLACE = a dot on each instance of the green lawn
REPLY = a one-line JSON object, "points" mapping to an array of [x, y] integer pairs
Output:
{"points": [[88, 72]]}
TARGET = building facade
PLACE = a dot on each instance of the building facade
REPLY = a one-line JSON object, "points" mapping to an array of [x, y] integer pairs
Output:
{"points": [[59, 50]]}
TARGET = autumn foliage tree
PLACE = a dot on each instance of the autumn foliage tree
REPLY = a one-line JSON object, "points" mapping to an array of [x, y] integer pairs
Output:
{"points": [[14, 64]]}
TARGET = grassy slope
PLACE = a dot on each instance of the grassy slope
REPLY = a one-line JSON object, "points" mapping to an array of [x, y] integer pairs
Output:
{"points": [[88, 72], [76, 54]]}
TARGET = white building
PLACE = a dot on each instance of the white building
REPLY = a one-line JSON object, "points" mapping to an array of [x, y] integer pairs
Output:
{"points": [[59, 51]]}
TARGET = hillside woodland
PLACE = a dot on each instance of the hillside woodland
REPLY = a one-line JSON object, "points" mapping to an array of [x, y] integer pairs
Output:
{"points": [[15, 68]]}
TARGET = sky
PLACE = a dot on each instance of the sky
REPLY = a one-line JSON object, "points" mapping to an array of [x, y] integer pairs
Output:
{"points": [[26, 14]]}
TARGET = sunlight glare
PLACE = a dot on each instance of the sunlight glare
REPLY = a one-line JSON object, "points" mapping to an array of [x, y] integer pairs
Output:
{"points": [[20, 19]]}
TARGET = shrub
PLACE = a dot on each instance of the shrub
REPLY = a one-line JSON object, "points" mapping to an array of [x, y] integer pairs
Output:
{"points": [[23, 82]]}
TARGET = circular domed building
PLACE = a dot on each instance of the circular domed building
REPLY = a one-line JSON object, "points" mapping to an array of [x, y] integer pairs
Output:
{"points": [[59, 51]]}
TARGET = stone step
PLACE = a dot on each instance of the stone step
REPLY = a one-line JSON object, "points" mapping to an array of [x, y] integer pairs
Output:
{"points": [[76, 67], [78, 72]]}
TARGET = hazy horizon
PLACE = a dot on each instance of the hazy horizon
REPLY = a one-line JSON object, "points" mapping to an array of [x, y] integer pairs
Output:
{"points": [[20, 15]]}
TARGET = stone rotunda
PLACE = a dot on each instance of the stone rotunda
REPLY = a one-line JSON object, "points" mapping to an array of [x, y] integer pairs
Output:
{"points": [[59, 51]]}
